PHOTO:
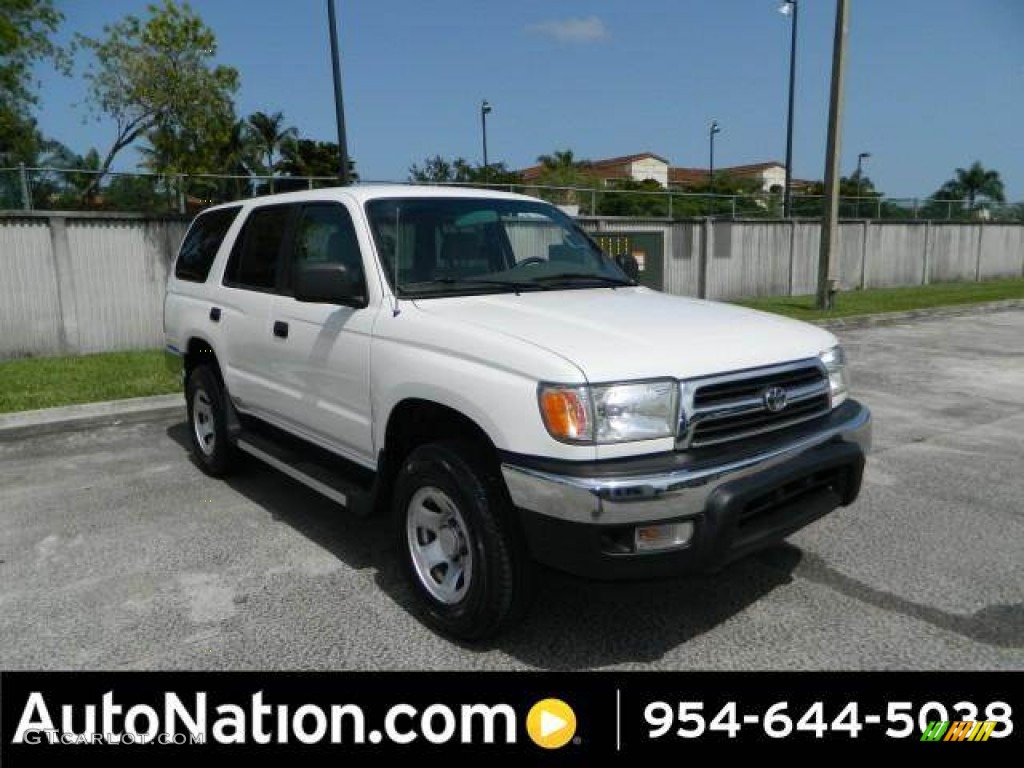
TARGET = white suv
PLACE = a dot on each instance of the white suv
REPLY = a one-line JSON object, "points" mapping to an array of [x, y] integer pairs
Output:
{"points": [[473, 365]]}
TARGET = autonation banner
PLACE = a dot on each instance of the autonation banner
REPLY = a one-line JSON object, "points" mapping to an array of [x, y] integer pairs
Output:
{"points": [[573, 718]]}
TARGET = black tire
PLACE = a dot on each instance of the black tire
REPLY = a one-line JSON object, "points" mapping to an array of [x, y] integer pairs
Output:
{"points": [[207, 406], [500, 589]]}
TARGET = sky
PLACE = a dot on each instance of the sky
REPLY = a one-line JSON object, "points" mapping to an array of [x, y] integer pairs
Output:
{"points": [[932, 85]]}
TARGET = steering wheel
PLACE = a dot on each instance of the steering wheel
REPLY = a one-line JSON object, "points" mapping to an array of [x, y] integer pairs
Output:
{"points": [[531, 260]]}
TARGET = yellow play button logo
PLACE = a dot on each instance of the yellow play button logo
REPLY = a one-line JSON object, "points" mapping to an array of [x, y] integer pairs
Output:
{"points": [[551, 723]]}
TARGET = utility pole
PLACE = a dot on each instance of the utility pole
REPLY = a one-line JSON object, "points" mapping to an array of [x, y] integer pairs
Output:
{"points": [[790, 8], [828, 279], [339, 106]]}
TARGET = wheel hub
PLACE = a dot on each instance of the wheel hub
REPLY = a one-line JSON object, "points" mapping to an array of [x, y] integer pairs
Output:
{"points": [[451, 542], [439, 545]]}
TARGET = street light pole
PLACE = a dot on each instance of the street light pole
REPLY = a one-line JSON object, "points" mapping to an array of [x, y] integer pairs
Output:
{"points": [[485, 109], [860, 179], [339, 106], [712, 130], [790, 8]]}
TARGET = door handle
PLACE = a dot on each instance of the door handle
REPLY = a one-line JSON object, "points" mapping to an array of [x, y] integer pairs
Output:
{"points": [[215, 314], [281, 329]]}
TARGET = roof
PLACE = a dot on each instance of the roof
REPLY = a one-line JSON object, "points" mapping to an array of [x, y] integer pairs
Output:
{"points": [[744, 170], [627, 159], [362, 193], [687, 175], [609, 167]]}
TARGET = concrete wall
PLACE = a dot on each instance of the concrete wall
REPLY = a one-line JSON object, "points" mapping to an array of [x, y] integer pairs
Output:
{"points": [[78, 283], [724, 259]]}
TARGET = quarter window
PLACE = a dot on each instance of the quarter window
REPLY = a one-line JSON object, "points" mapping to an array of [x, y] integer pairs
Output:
{"points": [[201, 244]]}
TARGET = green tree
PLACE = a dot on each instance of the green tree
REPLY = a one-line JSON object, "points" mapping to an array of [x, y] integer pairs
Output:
{"points": [[440, 170], [857, 198], [971, 184], [627, 199], [307, 157], [238, 155], [849, 186], [269, 135], [135, 193], [26, 27], [157, 73], [562, 169]]}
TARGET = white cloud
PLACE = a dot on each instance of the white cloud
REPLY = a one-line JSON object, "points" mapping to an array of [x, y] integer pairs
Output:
{"points": [[584, 30]]}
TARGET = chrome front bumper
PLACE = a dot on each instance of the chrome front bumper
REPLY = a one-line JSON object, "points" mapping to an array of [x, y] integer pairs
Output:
{"points": [[673, 494]]}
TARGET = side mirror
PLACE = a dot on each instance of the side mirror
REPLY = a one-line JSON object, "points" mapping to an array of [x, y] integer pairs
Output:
{"points": [[329, 284], [627, 263]]}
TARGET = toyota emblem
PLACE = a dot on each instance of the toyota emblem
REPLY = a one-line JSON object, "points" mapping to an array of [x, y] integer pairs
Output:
{"points": [[775, 399]]}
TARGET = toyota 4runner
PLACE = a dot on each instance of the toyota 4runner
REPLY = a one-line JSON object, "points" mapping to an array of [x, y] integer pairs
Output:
{"points": [[471, 364]]}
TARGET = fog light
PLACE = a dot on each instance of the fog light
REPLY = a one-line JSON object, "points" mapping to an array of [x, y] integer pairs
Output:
{"points": [[652, 538]]}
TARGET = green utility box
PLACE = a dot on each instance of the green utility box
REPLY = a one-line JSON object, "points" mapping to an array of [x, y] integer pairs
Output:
{"points": [[648, 248]]}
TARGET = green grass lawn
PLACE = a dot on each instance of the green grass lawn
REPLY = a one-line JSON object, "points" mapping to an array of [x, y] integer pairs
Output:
{"points": [[891, 299], [32, 383], [47, 382]]}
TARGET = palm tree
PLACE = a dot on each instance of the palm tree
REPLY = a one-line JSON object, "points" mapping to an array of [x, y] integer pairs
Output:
{"points": [[560, 160], [562, 169], [270, 134], [973, 183], [238, 155]]}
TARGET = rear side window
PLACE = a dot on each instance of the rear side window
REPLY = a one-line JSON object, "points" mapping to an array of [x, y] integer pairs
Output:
{"points": [[202, 243], [257, 252]]}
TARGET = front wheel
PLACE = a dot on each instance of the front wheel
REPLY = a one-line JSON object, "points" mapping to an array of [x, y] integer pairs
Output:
{"points": [[463, 554]]}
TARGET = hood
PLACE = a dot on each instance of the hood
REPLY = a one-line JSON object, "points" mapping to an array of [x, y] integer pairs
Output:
{"points": [[636, 333]]}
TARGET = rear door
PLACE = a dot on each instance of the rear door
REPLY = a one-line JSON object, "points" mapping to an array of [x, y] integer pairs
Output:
{"points": [[322, 369], [251, 279]]}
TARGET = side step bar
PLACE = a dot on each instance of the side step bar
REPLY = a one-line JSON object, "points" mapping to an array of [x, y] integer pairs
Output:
{"points": [[310, 465]]}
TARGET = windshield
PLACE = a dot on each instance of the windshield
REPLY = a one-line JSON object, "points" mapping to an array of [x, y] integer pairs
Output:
{"points": [[433, 247]]}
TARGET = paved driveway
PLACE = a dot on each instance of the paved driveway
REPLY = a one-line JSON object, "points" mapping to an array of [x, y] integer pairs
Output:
{"points": [[116, 552]]}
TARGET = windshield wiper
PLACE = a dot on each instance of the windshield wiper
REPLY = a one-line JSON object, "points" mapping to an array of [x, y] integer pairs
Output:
{"points": [[515, 285], [568, 277]]}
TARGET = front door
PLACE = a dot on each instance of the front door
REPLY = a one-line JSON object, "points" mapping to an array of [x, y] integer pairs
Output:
{"points": [[321, 369]]}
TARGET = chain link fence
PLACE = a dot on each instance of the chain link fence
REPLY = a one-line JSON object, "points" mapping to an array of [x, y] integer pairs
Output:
{"points": [[52, 189], [25, 188]]}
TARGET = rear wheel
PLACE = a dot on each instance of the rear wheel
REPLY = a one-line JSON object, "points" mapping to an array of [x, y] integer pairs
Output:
{"points": [[463, 554], [207, 406]]}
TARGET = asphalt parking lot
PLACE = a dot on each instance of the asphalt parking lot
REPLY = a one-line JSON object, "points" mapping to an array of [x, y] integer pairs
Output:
{"points": [[116, 552]]}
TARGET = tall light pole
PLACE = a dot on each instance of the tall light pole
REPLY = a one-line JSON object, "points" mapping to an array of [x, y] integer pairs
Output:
{"points": [[828, 279], [339, 106], [860, 178], [485, 110], [790, 8], [712, 130]]}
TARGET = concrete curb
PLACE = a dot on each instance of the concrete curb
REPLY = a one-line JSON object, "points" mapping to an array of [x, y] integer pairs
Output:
{"points": [[74, 417], [932, 313]]}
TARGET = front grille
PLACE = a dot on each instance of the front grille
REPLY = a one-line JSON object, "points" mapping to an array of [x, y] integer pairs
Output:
{"points": [[721, 409]]}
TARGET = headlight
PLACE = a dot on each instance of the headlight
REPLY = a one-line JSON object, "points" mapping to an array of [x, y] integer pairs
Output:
{"points": [[613, 413], [838, 377]]}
